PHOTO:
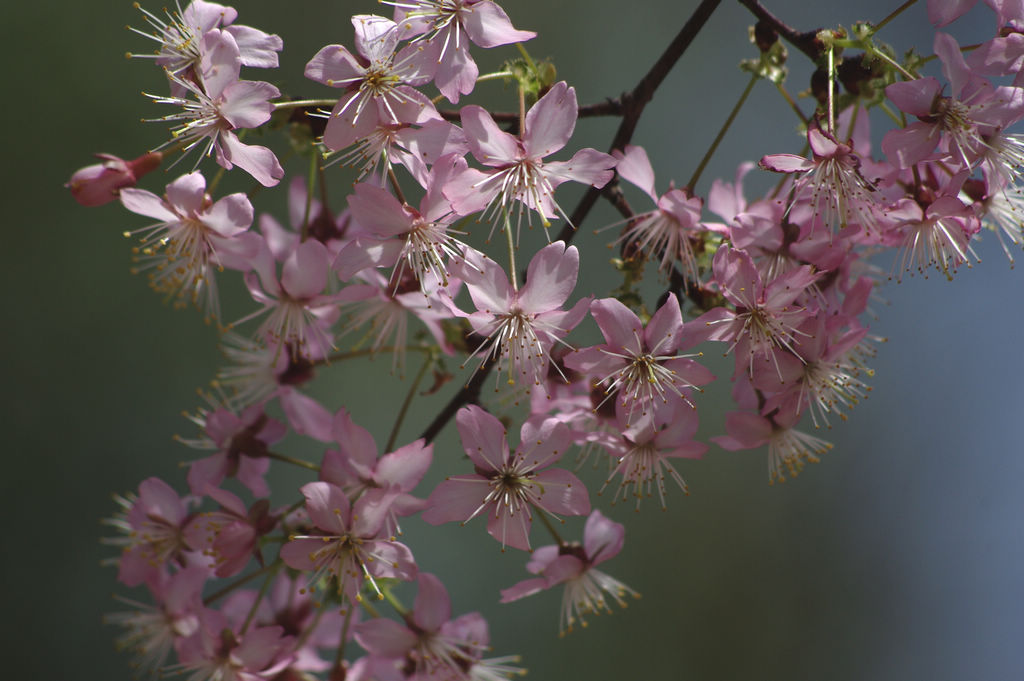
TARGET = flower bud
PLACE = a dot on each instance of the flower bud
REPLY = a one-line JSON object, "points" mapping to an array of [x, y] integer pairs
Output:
{"points": [[98, 184]]}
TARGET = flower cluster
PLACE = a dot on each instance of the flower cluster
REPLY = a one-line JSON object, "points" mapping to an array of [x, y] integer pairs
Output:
{"points": [[782, 281]]}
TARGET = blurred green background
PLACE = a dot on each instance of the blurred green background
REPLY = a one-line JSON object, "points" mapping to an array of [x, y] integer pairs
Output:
{"points": [[898, 557]]}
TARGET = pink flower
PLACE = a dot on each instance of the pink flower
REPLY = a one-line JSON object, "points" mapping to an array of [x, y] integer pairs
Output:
{"points": [[644, 447], [574, 566], [831, 181], [401, 236], [299, 314], [959, 123], [348, 542], [766, 318], [636, 363], [355, 467], [430, 641], [518, 172], [180, 38], [193, 237], [788, 448], [242, 442], [379, 84], [508, 487], [217, 653], [449, 26], [222, 105], [665, 232], [153, 525], [386, 309], [230, 535], [523, 325], [936, 236], [151, 631]]}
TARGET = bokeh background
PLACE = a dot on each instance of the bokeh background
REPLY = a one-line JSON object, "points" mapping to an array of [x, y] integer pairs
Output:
{"points": [[898, 557]]}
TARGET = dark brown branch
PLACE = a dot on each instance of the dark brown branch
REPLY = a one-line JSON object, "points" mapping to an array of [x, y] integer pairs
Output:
{"points": [[630, 106], [609, 107], [470, 394], [634, 102]]}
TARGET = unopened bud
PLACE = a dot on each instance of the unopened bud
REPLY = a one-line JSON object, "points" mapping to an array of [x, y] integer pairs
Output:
{"points": [[98, 184]]}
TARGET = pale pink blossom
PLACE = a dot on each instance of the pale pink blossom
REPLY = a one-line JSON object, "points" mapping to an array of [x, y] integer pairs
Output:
{"points": [[640, 364], [517, 172], [347, 542], [192, 238], [211, 113], [520, 326], [379, 83], [449, 26], [506, 487], [587, 590]]}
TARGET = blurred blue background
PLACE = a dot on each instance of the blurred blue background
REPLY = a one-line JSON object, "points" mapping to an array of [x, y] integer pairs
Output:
{"points": [[898, 557]]}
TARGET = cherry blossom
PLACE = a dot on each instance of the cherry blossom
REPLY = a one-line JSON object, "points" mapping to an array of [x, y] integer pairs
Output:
{"points": [[508, 487]]}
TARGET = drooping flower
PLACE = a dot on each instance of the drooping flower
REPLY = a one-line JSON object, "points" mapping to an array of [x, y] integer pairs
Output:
{"points": [[153, 526], [934, 236], [355, 467], [957, 124], [830, 181], [298, 312], [194, 236], [587, 590], [218, 653], [643, 449], [666, 231], [241, 442], [766, 318], [180, 38], [420, 241], [151, 630], [789, 449], [430, 641]]}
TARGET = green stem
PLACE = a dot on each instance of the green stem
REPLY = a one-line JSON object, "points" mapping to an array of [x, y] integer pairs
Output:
{"points": [[394, 185], [259, 597], [511, 250], [721, 133], [892, 15], [831, 90], [395, 603], [497, 75], [294, 461], [216, 180], [239, 582], [884, 106], [404, 409], [527, 57], [309, 195], [339, 659], [355, 354], [551, 528], [302, 103], [891, 62], [792, 103]]}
